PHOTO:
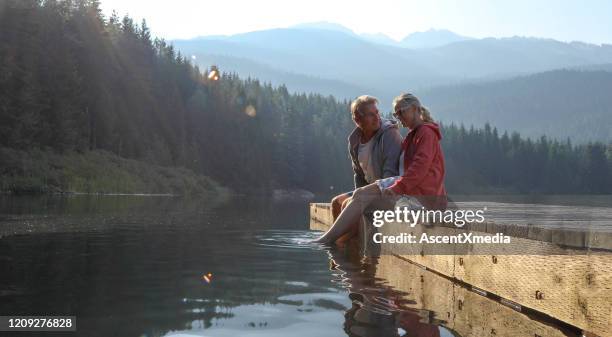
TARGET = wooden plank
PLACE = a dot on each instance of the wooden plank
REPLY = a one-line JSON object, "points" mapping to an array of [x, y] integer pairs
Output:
{"points": [[457, 308], [581, 218], [320, 216], [576, 289]]}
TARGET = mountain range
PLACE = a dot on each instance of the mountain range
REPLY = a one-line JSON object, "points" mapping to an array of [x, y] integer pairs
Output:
{"points": [[416, 40]]}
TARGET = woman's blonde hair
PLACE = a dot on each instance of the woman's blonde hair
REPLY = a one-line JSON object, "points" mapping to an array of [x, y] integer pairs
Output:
{"points": [[407, 100], [359, 104]]}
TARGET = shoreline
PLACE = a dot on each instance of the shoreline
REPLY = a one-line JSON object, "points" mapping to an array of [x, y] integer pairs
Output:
{"points": [[39, 171]]}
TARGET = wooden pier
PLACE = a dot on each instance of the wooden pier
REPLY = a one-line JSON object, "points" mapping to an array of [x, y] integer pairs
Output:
{"points": [[559, 265]]}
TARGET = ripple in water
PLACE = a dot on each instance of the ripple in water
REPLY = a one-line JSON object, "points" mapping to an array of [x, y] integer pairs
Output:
{"points": [[295, 239]]}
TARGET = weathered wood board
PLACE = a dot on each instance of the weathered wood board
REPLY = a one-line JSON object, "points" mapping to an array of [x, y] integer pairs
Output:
{"points": [[456, 307], [320, 216]]}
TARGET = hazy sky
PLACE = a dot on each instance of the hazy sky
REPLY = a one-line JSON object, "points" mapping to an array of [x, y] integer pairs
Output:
{"points": [[565, 20]]}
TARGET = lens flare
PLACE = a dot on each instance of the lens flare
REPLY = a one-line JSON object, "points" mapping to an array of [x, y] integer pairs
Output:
{"points": [[250, 111], [214, 74]]}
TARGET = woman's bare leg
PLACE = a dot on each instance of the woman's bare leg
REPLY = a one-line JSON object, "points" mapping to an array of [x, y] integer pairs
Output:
{"points": [[350, 215]]}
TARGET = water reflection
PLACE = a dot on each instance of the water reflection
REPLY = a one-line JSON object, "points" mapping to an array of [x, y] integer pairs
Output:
{"points": [[392, 297], [378, 309]]}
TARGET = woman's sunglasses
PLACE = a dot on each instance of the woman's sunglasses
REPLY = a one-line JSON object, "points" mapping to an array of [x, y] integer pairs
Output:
{"points": [[398, 112]]}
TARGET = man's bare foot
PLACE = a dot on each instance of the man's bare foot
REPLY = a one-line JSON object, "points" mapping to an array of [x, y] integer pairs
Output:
{"points": [[345, 238], [318, 240]]}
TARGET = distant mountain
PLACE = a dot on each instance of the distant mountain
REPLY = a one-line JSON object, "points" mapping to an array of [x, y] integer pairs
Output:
{"points": [[296, 83], [592, 67], [370, 37], [380, 38], [560, 104], [431, 38], [324, 25], [507, 57], [417, 40]]}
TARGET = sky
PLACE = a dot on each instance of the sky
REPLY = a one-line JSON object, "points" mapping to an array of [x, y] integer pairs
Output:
{"points": [[564, 20]]}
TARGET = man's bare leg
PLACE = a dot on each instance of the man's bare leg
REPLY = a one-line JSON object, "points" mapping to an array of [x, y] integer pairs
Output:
{"points": [[341, 241], [350, 215], [337, 204]]}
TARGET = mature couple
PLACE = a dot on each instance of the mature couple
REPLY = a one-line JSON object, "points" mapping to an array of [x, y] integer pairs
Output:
{"points": [[386, 166]]}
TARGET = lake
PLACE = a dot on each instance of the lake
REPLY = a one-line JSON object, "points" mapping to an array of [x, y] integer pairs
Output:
{"points": [[166, 266]]}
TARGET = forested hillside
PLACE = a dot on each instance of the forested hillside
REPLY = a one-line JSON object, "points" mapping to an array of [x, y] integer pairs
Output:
{"points": [[73, 82], [482, 159], [561, 104]]}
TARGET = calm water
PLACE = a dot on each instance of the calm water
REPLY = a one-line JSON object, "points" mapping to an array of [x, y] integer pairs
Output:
{"points": [[134, 266]]}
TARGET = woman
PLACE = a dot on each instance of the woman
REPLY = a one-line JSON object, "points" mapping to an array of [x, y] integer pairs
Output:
{"points": [[421, 166]]}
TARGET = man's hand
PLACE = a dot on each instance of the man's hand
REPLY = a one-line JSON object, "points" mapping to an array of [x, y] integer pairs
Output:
{"points": [[387, 192]]}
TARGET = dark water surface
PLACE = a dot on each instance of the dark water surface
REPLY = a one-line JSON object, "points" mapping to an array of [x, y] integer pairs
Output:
{"points": [[134, 266]]}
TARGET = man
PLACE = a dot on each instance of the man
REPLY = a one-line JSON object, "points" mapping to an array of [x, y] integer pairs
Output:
{"points": [[374, 147]]}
